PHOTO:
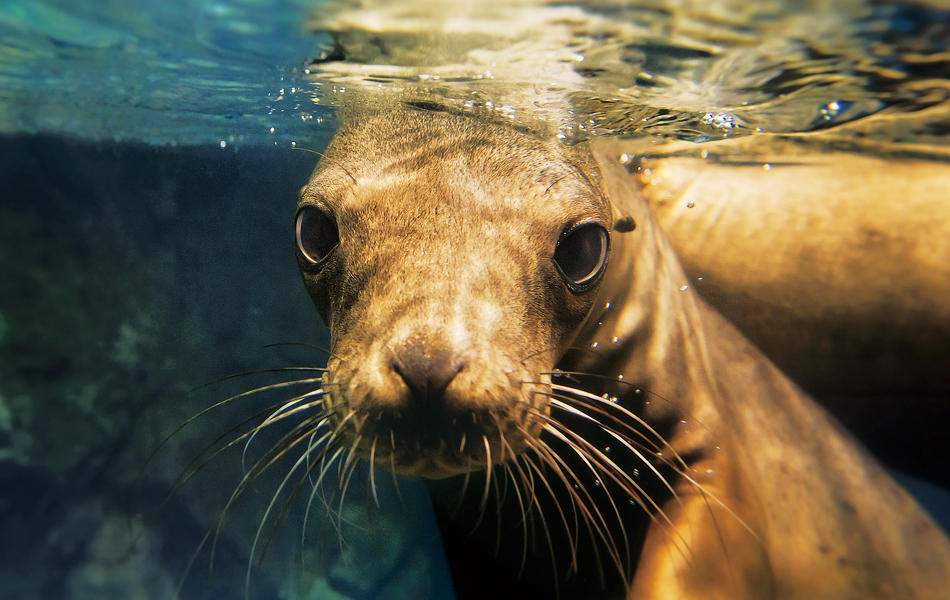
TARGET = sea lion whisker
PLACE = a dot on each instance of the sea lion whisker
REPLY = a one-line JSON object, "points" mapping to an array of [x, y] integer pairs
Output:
{"points": [[681, 468], [618, 379], [641, 498], [626, 483], [624, 442], [348, 469], [483, 505], [392, 471], [596, 461], [302, 460], [502, 460], [202, 459], [488, 469], [279, 449], [645, 442], [524, 515], [372, 470], [507, 466], [325, 439], [351, 455], [299, 433], [597, 526], [313, 442], [233, 376], [273, 420], [627, 413], [571, 538], [286, 410], [336, 431], [579, 509], [326, 461], [199, 461], [536, 451], [554, 428], [215, 406], [465, 481], [526, 477], [635, 446]]}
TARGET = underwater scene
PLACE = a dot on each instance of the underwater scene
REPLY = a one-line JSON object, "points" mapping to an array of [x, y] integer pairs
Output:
{"points": [[161, 362]]}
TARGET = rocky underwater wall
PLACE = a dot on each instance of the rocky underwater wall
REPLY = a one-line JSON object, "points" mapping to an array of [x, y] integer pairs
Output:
{"points": [[130, 277]]}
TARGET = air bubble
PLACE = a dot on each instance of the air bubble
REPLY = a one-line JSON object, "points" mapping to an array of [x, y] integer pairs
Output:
{"points": [[223, 144], [607, 306], [636, 472], [690, 204], [620, 377], [607, 450], [684, 288], [709, 471], [615, 340], [767, 167], [595, 345]]}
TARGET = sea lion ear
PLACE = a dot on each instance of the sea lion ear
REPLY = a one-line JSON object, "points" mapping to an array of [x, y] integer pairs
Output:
{"points": [[624, 224]]}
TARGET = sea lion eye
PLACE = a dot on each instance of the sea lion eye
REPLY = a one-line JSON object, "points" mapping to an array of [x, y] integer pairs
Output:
{"points": [[316, 234], [581, 255]]}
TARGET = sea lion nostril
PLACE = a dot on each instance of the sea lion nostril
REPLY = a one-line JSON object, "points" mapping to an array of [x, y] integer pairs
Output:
{"points": [[426, 372]]}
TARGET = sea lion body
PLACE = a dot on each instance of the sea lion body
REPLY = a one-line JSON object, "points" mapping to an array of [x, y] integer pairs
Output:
{"points": [[835, 264], [815, 500], [427, 245]]}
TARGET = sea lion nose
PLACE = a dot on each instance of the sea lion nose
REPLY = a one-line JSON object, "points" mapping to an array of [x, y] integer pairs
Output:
{"points": [[426, 372]]}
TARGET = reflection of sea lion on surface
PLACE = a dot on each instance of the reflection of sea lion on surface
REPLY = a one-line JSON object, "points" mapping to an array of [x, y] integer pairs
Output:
{"points": [[458, 264]]}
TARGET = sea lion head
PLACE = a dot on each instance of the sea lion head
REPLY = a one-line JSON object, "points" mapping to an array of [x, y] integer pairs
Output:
{"points": [[453, 262]]}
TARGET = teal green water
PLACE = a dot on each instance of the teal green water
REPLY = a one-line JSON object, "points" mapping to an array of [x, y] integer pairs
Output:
{"points": [[158, 72]]}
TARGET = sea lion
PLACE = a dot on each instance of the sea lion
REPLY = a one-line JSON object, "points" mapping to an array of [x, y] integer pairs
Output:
{"points": [[503, 304], [836, 264]]}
